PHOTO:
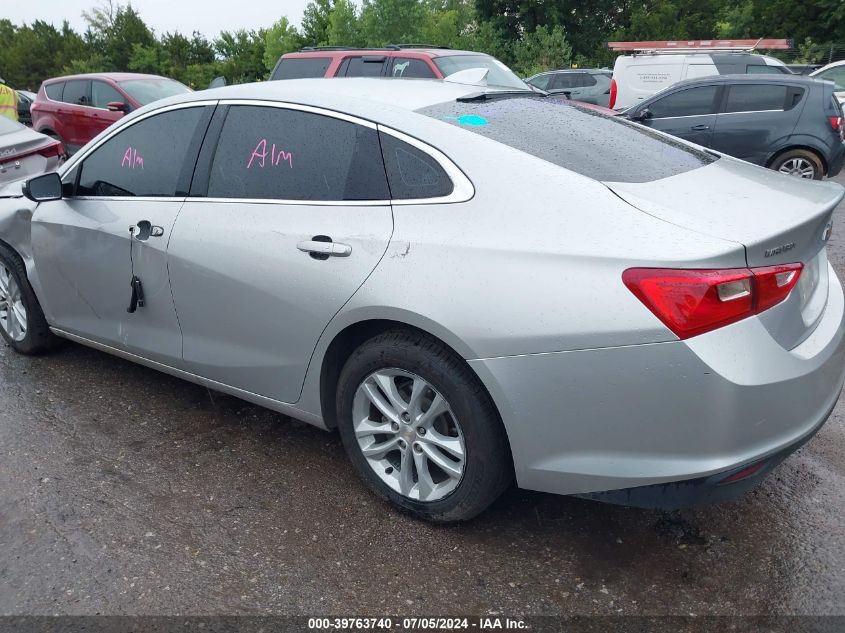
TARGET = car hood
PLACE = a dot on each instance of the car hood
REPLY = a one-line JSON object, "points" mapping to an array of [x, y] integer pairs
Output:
{"points": [[761, 209]]}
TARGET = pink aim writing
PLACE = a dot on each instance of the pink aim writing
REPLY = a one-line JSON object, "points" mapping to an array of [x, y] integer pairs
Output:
{"points": [[131, 159], [260, 154]]}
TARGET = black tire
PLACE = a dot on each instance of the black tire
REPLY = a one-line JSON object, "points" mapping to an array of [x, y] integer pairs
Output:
{"points": [[38, 338], [800, 154], [487, 465]]}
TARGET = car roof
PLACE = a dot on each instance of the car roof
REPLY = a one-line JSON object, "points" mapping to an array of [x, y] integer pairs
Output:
{"points": [[831, 65], [595, 71], [112, 76], [353, 95], [387, 52], [802, 80]]}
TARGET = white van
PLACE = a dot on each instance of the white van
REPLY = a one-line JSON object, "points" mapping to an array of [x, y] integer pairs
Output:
{"points": [[638, 76]]}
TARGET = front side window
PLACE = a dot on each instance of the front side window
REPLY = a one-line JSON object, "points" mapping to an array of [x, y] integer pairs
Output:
{"points": [[102, 94], [411, 68], [76, 92], [689, 102], [756, 98], [301, 67], [282, 154], [145, 159]]}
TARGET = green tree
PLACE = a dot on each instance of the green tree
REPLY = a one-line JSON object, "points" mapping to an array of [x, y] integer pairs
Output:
{"points": [[544, 49], [316, 21], [241, 55], [279, 39], [392, 21], [344, 25]]}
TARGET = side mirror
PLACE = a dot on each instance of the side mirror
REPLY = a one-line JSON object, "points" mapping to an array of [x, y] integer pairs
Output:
{"points": [[44, 188], [117, 106], [644, 115]]}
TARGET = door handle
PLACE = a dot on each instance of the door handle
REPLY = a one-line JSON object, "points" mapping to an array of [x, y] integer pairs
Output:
{"points": [[144, 230], [700, 128], [324, 248]]}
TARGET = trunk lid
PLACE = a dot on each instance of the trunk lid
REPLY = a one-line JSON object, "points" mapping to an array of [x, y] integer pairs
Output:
{"points": [[777, 219]]}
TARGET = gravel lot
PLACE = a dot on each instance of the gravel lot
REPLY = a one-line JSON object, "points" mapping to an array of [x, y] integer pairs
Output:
{"points": [[125, 491]]}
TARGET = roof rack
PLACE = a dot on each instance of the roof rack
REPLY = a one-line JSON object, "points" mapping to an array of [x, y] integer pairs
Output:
{"points": [[305, 49], [401, 46], [686, 46]]}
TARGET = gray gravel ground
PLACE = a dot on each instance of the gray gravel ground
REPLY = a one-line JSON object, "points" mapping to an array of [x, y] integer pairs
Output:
{"points": [[124, 491]]}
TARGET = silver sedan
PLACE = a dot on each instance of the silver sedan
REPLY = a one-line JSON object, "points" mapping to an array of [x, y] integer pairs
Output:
{"points": [[24, 152], [469, 285]]}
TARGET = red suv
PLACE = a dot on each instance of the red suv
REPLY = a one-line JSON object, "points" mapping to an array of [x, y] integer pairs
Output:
{"points": [[74, 109], [399, 61]]}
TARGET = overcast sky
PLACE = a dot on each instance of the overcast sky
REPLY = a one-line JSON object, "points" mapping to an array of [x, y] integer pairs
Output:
{"points": [[206, 16]]}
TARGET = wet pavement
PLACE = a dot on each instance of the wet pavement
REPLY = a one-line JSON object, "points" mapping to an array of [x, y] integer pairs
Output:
{"points": [[125, 491]]}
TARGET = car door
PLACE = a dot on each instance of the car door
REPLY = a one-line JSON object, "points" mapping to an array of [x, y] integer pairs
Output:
{"points": [[102, 94], [75, 97], [755, 118], [688, 113], [85, 255], [291, 218]]}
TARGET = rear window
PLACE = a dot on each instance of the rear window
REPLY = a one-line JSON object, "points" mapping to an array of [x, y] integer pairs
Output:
{"points": [[146, 91], [500, 75], [301, 67], [54, 91], [581, 140], [756, 98]]}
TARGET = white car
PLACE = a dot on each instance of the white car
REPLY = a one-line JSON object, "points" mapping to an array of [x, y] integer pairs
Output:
{"points": [[24, 152], [639, 76], [834, 72]]}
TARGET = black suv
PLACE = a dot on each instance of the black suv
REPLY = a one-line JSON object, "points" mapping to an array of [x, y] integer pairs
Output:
{"points": [[792, 124]]}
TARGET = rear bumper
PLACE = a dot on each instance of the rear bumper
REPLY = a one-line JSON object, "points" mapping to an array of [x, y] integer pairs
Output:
{"points": [[837, 160], [689, 411]]}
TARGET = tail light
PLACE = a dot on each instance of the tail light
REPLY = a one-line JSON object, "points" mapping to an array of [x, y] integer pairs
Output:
{"points": [[56, 149], [612, 94], [837, 124], [692, 302]]}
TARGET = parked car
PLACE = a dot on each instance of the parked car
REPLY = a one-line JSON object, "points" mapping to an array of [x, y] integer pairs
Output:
{"points": [[803, 69], [834, 72], [791, 124], [25, 153], [355, 254], [637, 77], [74, 109], [397, 61], [584, 84], [25, 99]]}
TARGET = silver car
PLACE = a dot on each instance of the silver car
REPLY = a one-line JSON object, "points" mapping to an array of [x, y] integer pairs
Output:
{"points": [[468, 285], [24, 152]]}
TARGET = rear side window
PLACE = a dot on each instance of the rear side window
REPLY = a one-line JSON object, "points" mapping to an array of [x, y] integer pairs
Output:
{"points": [[76, 92], [146, 159], [541, 81], [54, 91], [763, 69], [756, 98], [412, 174], [690, 102], [410, 68], [362, 67], [301, 67], [584, 141], [280, 154]]}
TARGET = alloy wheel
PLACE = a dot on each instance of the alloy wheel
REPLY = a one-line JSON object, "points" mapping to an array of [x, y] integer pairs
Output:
{"points": [[12, 310], [800, 167], [408, 434]]}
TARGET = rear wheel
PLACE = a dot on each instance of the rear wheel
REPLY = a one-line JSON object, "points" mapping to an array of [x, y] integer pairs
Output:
{"points": [[800, 163], [22, 323], [420, 429]]}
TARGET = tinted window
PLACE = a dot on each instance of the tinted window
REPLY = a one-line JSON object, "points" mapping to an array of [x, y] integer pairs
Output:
{"points": [[146, 159], [299, 67], [274, 153], [499, 75], [54, 91], [76, 92], [541, 81], [836, 75], [102, 94], [581, 140], [358, 67], [755, 97], [763, 69], [408, 68], [689, 102], [412, 173], [587, 80], [564, 81]]}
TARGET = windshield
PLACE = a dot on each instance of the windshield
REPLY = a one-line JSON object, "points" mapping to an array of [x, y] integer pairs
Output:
{"points": [[499, 76], [7, 125], [146, 91]]}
